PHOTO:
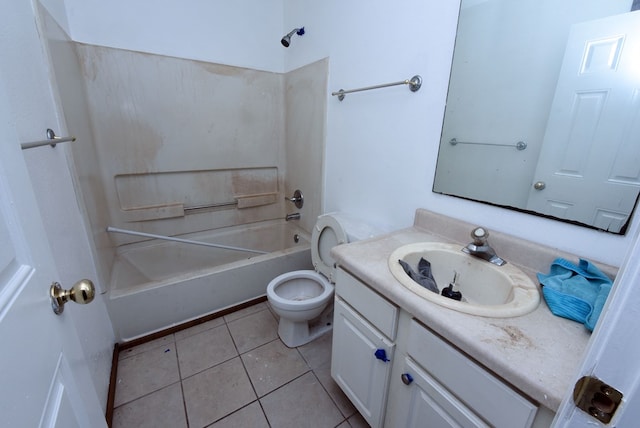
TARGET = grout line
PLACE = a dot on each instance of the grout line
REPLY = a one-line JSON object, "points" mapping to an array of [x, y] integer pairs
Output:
{"points": [[145, 395], [264, 413], [249, 377], [184, 401], [236, 411], [331, 398], [239, 355]]}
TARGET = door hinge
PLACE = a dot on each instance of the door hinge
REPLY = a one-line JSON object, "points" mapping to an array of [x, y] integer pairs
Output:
{"points": [[596, 398]]}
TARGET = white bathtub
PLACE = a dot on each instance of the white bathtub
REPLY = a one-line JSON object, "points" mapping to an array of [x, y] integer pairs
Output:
{"points": [[158, 284]]}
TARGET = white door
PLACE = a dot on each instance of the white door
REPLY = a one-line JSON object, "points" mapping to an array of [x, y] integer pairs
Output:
{"points": [[589, 164], [613, 352], [43, 382]]}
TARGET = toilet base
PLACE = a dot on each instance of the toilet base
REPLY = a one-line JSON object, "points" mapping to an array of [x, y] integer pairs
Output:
{"points": [[294, 334]]}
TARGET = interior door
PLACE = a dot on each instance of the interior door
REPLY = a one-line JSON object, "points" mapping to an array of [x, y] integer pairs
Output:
{"points": [[591, 149], [41, 378], [612, 352]]}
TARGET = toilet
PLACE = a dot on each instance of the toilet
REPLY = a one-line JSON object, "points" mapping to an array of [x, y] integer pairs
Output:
{"points": [[304, 298]]}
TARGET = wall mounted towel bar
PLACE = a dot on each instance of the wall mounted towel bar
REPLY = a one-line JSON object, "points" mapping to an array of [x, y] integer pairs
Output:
{"points": [[52, 140], [414, 85], [520, 145]]}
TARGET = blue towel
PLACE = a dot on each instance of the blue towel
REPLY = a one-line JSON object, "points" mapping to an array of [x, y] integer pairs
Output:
{"points": [[575, 292]]}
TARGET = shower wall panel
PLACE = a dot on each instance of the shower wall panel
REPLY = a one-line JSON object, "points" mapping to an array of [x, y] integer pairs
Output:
{"points": [[306, 101], [168, 117]]}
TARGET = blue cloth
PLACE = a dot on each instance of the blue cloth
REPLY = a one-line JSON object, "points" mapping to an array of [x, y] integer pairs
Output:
{"points": [[575, 292]]}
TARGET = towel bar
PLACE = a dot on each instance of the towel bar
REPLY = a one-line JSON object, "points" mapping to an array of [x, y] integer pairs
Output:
{"points": [[51, 140], [520, 145], [414, 85]]}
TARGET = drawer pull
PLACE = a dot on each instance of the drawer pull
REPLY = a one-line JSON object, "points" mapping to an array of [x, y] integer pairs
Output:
{"points": [[406, 378], [381, 354]]}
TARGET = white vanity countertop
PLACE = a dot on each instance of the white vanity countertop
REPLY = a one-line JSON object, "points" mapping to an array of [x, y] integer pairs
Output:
{"points": [[538, 353]]}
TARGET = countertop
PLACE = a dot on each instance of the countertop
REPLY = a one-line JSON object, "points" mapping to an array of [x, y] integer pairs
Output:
{"points": [[538, 353]]}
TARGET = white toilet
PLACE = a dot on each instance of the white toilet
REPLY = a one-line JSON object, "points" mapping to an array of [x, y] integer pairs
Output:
{"points": [[303, 298]]}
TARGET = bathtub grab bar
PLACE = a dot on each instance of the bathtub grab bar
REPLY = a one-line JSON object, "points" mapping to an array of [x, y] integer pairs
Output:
{"points": [[184, 241]]}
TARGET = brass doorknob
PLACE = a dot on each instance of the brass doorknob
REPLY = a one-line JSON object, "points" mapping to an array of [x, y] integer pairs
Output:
{"points": [[81, 292]]}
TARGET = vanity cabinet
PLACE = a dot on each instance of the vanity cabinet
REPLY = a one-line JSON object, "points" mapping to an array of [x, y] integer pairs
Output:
{"points": [[439, 384], [425, 382], [363, 349], [422, 398]]}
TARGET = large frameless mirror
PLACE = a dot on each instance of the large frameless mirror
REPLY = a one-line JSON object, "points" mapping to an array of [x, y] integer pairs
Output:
{"points": [[543, 109]]}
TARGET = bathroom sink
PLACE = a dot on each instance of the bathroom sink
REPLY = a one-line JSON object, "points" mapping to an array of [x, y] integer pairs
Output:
{"points": [[487, 290]]}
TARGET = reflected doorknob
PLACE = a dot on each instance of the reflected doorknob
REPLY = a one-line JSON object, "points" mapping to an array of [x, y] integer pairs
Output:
{"points": [[81, 292], [539, 185]]}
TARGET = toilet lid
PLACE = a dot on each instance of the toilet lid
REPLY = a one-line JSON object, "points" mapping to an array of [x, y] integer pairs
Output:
{"points": [[327, 233]]}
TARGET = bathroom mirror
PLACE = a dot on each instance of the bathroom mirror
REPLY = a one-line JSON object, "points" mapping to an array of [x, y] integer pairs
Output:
{"points": [[543, 109]]}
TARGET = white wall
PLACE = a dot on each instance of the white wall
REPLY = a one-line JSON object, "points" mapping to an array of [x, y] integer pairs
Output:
{"points": [[244, 33], [381, 145]]}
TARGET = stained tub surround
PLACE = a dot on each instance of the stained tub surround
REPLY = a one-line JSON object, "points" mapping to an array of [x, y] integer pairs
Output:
{"points": [[186, 145], [536, 354], [173, 145]]}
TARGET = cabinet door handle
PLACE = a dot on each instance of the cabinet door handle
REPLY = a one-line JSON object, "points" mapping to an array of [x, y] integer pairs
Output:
{"points": [[406, 378], [381, 354]]}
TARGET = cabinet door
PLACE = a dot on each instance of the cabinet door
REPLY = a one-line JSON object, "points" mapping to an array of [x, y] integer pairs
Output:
{"points": [[423, 402], [361, 374]]}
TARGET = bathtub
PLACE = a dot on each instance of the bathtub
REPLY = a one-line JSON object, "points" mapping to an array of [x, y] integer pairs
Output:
{"points": [[159, 284]]}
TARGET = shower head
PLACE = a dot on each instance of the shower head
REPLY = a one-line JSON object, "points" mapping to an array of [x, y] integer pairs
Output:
{"points": [[286, 40]]}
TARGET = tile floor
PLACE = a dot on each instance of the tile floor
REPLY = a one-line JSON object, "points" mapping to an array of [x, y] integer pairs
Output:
{"points": [[232, 371]]}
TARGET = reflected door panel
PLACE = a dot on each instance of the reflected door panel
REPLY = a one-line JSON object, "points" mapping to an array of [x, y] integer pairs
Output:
{"points": [[590, 158]]}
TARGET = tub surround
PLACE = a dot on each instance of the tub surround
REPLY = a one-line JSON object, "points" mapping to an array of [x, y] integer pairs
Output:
{"points": [[537, 353]]}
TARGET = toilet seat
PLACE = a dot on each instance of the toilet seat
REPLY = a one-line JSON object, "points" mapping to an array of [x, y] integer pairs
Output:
{"points": [[299, 305], [304, 303], [327, 233]]}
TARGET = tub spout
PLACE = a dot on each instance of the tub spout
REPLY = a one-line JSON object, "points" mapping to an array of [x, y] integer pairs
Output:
{"points": [[293, 216]]}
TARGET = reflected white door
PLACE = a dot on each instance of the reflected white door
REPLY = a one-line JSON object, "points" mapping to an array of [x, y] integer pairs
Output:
{"points": [[591, 148], [39, 380]]}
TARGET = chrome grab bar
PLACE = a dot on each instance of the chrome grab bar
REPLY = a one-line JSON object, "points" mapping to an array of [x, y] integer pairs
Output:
{"points": [[207, 206], [183, 241], [414, 85], [52, 140]]}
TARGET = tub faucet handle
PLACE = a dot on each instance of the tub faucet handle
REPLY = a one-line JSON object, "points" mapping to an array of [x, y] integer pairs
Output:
{"points": [[297, 199]]}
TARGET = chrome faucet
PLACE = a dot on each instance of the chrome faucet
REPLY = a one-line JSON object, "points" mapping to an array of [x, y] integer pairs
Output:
{"points": [[480, 247], [293, 216]]}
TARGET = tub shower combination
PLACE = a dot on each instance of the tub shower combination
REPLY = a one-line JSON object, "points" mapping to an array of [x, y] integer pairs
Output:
{"points": [[158, 284]]}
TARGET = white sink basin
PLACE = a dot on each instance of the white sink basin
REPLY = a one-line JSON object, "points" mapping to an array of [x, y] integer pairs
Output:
{"points": [[487, 290]]}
